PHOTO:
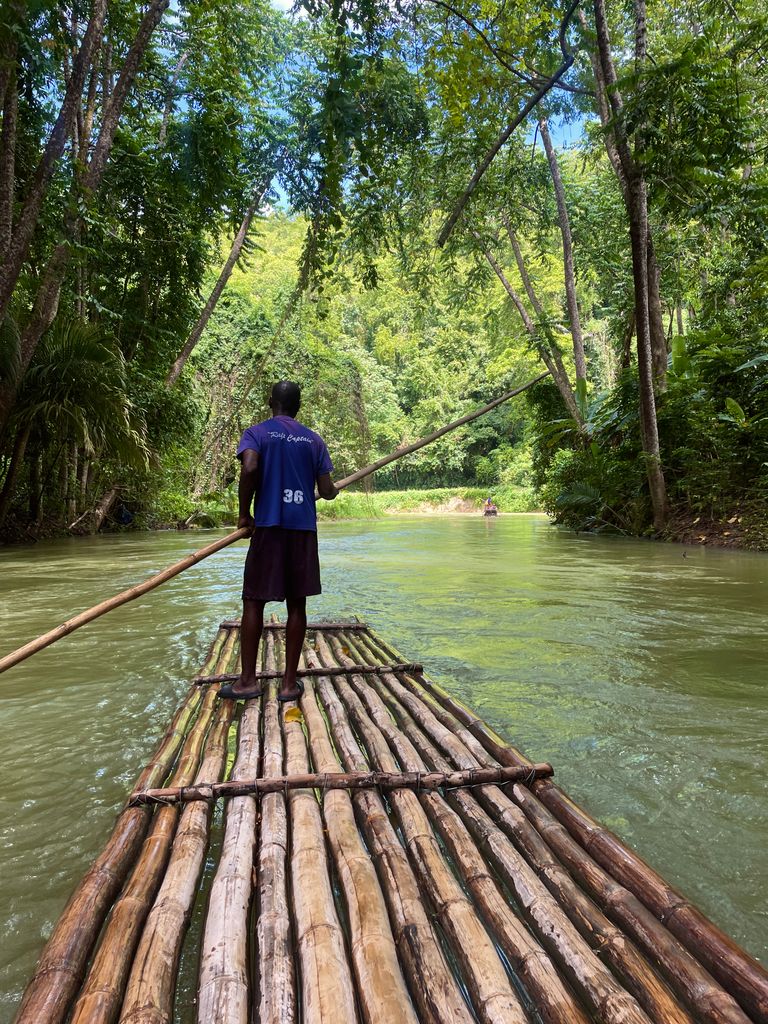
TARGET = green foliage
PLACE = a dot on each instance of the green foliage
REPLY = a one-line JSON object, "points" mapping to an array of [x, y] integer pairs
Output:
{"points": [[362, 505], [364, 122]]}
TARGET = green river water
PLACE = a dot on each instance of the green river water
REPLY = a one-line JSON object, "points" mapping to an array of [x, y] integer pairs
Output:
{"points": [[638, 672]]}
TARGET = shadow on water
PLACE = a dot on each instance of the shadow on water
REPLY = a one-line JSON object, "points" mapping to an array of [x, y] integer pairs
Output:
{"points": [[639, 673]]}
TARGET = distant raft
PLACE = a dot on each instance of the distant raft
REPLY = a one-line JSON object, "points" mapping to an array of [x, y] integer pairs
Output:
{"points": [[385, 858]]}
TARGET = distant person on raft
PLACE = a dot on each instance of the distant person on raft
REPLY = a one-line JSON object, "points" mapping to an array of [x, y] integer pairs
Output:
{"points": [[282, 462]]}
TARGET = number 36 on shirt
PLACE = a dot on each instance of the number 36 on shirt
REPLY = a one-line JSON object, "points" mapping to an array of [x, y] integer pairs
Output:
{"points": [[293, 497]]}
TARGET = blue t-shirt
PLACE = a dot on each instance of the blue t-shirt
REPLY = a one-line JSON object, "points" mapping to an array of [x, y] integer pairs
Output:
{"points": [[291, 458]]}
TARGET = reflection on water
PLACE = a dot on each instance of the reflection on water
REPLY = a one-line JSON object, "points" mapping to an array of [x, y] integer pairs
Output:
{"points": [[639, 673]]}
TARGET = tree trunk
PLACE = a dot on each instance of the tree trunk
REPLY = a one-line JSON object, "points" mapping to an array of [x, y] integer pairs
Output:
{"points": [[648, 421], [47, 299], [114, 105], [659, 348], [637, 210], [12, 475], [8, 159], [17, 252], [15, 15], [607, 111], [568, 268], [525, 277], [93, 520], [626, 348], [85, 472], [36, 489], [72, 481], [226, 271], [551, 359]]}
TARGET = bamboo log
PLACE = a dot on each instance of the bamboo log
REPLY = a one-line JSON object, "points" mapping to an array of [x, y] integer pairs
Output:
{"points": [[381, 988], [551, 927], [276, 998], [229, 677], [115, 602], [486, 980], [686, 976], [611, 943], [102, 994], [327, 989], [738, 972], [223, 989], [355, 625], [556, 1003], [749, 985], [60, 969], [341, 780], [433, 989], [152, 982]]}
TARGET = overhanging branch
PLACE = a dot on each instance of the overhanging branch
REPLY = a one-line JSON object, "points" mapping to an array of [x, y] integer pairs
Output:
{"points": [[485, 163]]}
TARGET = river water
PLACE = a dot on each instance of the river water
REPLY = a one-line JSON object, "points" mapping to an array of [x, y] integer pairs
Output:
{"points": [[637, 669]]}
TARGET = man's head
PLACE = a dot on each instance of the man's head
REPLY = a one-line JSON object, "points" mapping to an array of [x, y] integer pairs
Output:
{"points": [[285, 398]]}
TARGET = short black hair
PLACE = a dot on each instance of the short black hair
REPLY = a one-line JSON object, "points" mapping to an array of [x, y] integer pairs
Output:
{"points": [[286, 395]]}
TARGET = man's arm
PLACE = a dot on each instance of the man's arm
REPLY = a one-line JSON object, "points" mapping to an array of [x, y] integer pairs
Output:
{"points": [[326, 488], [249, 466]]}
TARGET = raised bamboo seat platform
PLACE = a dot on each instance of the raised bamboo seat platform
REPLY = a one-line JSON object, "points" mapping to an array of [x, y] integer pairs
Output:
{"points": [[384, 858]]}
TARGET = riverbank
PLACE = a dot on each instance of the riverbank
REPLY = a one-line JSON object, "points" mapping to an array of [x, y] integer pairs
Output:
{"points": [[436, 501], [745, 528]]}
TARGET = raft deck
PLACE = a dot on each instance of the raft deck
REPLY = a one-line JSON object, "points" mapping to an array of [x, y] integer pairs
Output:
{"points": [[367, 870]]}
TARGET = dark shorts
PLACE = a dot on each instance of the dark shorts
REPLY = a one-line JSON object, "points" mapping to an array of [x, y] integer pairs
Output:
{"points": [[280, 564]]}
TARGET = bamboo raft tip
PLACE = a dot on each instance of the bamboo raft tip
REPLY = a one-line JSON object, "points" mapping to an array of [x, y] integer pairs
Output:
{"points": [[403, 864]]}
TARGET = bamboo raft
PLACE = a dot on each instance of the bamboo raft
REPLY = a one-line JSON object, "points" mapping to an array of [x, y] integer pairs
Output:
{"points": [[384, 858]]}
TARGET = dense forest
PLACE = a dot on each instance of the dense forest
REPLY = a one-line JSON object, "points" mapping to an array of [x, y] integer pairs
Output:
{"points": [[408, 207]]}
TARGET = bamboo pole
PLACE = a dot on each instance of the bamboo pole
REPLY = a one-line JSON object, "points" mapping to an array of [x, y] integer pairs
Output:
{"points": [[152, 982], [61, 966], [46, 639], [487, 982], [327, 988], [115, 602], [549, 924], [433, 988], [275, 997], [223, 989], [429, 438], [687, 977], [340, 780], [381, 988]]}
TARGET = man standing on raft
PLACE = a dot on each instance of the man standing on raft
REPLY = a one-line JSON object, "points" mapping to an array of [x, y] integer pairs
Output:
{"points": [[281, 463]]}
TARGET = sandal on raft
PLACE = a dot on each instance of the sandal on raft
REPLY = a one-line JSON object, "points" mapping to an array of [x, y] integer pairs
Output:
{"points": [[227, 692], [285, 698]]}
